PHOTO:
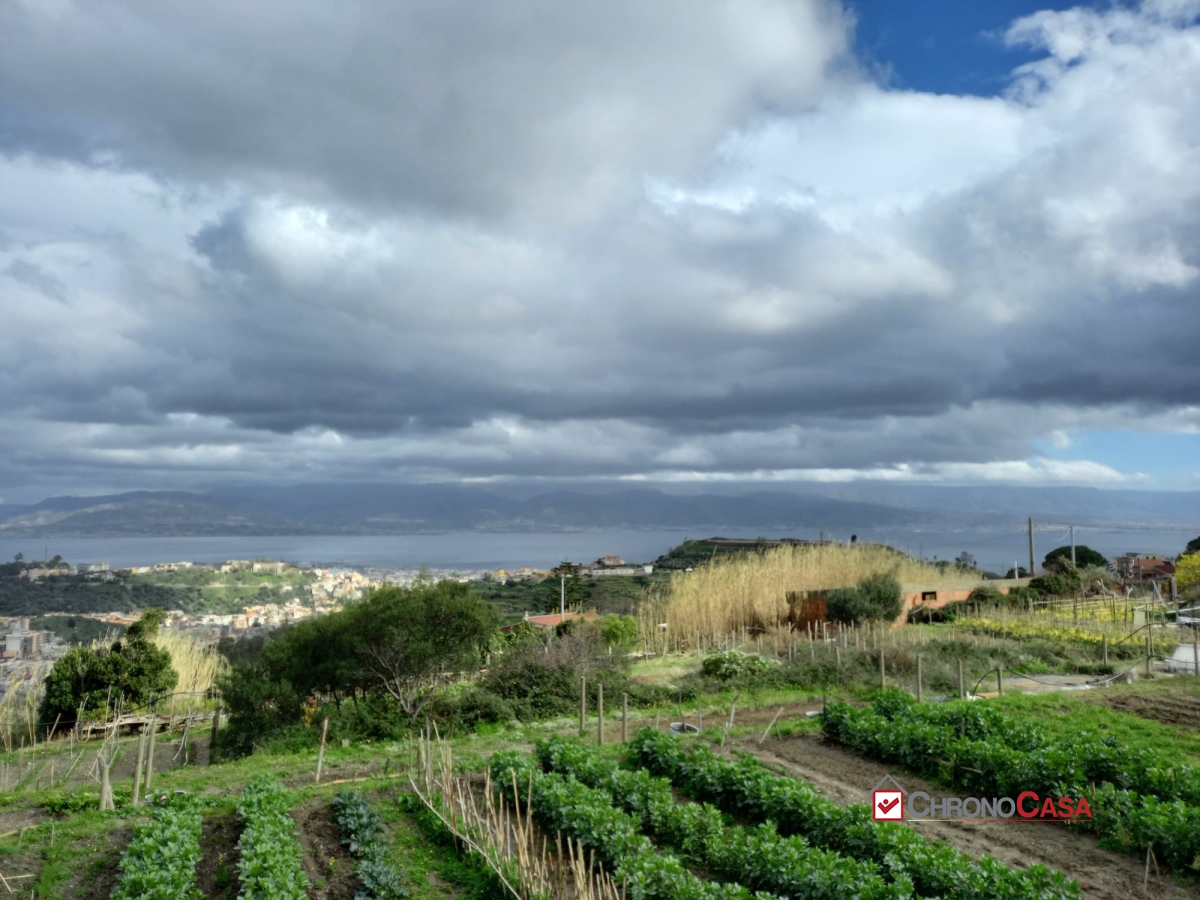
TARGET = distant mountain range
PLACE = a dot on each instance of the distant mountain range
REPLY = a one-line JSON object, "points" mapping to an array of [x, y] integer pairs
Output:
{"points": [[414, 509]]}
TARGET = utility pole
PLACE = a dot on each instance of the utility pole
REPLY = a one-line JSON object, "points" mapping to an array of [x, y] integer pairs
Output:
{"points": [[1032, 570], [1072, 545]]}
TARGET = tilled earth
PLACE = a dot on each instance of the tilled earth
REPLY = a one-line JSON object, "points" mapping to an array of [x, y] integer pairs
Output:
{"points": [[845, 777], [1182, 710]]}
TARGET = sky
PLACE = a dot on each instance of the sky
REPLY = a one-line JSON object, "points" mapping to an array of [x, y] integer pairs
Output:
{"points": [[437, 240]]}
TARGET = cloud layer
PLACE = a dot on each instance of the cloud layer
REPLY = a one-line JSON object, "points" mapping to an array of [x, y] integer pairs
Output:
{"points": [[439, 240]]}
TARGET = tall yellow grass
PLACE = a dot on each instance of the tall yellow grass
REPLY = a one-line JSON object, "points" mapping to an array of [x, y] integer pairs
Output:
{"points": [[751, 591], [196, 662]]}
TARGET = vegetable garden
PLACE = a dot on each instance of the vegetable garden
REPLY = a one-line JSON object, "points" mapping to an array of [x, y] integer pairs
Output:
{"points": [[759, 834], [1139, 798]]}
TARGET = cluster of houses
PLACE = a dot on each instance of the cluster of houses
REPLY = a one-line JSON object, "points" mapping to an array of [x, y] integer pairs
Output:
{"points": [[606, 566]]}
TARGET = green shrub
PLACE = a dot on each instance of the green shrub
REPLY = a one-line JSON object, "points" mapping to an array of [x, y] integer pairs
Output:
{"points": [[874, 597], [730, 664]]}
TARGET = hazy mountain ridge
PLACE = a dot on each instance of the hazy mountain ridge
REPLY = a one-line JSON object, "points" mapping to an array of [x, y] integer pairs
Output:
{"points": [[412, 509]]}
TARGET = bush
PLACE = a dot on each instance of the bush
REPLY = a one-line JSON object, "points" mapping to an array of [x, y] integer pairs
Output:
{"points": [[1057, 584], [874, 597], [986, 595], [729, 664]]}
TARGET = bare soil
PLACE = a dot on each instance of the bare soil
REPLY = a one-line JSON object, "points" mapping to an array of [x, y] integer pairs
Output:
{"points": [[95, 879], [217, 874], [1182, 710], [327, 862], [845, 777]]}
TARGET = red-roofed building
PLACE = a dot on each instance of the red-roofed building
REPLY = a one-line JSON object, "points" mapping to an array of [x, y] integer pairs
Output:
{"points": [[551, 620]]}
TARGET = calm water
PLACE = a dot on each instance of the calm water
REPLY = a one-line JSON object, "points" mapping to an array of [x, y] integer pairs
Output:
{"points": [[992, 550]]}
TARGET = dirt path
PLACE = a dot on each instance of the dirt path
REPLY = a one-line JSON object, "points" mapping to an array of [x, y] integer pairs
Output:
{"points": [[847, 778]]}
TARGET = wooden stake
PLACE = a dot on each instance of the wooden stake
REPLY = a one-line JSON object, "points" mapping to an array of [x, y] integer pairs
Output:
{"points": [[920, 693], [321, 752], [624, 718], [150, 751], [882, 674], [770, 725], [962, 682], [600, 714], [137, 771], [582, 703], [1104, 649], [216, 726], [999, 682]]}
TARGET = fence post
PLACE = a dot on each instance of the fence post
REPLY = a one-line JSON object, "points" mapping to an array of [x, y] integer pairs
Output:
{"points": [[600, 714], [962, 682], [216, 726], [920, 692], [882, 674], [321, 752], [582, 702], [999, 681], [1196, 655], [137, 769], [150, 749], [1104, 649], [624, 718]]}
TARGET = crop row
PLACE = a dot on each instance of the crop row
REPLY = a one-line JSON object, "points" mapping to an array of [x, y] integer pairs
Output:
{"points": [[363, 834], [747, 790], [269, 867], [1071, 764], [992, 756], [160, 861], [757, 857], [587, 816]]}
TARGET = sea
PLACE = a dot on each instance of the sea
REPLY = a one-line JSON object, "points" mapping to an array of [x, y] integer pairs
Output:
{"points": [[993, 550]]}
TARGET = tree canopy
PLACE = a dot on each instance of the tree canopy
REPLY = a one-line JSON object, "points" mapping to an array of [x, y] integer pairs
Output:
{"points": [[1084, 556], [95, 681], [1193, 546], [397, 642]]}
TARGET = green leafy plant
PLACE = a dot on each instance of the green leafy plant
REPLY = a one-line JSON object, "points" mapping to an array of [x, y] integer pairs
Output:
{"points": [[363, 835], [160, 861], [270, 863], [745, 789], [1139, 798]]}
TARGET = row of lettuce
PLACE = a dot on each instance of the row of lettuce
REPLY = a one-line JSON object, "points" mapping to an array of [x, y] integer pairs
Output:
{"points": [[1138, 798], [787, 841], [162, 856]]}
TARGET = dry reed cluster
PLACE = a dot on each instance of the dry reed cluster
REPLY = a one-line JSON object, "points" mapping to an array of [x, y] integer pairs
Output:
{"points": [[196, 662], [750, 591], [503, 837]]}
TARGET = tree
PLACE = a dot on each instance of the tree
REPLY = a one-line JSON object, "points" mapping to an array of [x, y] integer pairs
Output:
{"points": [[1187, 571], [1084, 556], [410, 640], [620, 632], [965, 561], [94, 681], [1193, 546], [1018, 572], [563, 585]]}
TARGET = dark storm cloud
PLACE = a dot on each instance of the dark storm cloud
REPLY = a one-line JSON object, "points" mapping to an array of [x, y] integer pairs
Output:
{"points": [[429, 240], [472, 108]]}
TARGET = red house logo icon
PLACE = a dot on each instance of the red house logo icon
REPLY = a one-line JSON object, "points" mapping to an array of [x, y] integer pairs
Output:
{"points": [[887, 800]]}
